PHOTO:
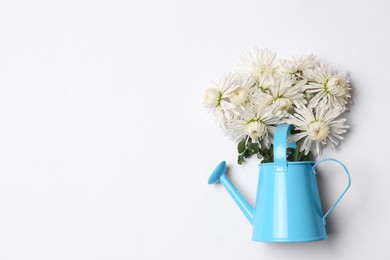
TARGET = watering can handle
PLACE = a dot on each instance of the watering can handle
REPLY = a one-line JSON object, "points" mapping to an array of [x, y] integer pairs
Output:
{"points": [[281, 145], [349, 184]]}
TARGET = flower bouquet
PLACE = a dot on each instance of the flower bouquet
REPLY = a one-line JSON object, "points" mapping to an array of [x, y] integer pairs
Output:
{"points": [[265, 92]]}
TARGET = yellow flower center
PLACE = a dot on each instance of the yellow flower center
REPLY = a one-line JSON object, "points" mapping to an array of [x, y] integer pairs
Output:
{"points": [[318, 130], [239, 96], [255, 129], [282, 103], [265, 70], [335, 86]]}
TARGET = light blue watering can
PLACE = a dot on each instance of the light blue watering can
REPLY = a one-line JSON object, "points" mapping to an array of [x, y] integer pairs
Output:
{"points": [[288, 206]]}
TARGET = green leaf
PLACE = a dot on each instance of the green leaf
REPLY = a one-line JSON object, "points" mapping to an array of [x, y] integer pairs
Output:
{"points": [[254, 147], [267, 154], [240, 159], [247, 153], [307, 157], [241, 146], [290, 154]]}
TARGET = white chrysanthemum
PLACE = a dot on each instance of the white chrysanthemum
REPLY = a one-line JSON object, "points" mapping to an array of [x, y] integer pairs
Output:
{"points": [[318, 129], [217, 99], [265, 85], [284, 95], [295, 68], [258, 124], [260, 64], [333, 89], [241, 95]]}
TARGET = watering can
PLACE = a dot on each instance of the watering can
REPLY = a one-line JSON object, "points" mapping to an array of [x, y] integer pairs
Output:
{"points": [[288, 206]]}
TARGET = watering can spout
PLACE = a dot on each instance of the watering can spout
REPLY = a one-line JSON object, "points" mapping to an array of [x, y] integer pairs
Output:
{"points": [[219, 175]]}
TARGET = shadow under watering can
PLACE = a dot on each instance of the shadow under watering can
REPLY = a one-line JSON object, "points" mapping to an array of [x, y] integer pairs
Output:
{"points": [[288, 206]]}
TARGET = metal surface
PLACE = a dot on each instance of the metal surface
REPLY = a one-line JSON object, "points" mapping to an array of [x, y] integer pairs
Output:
{"points": [[288, 206]]}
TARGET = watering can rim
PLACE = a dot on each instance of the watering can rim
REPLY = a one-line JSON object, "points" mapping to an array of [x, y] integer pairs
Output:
{"points": [[288, 162]]}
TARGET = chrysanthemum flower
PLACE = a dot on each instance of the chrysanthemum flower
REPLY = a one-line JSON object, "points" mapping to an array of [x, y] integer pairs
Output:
{"points": [[217, 98], [295, 68], [260, 64], [284, 95], [265, 92], [333, 89], [241, 94], [318, 128], [258, 124]]}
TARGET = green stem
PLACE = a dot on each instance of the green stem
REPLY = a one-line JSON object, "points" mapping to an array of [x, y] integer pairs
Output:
{"points": [[246, 141], [297, 150]]}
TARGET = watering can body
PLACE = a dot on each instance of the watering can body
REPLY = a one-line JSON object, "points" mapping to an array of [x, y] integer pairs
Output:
{"points": [[288, 206]]}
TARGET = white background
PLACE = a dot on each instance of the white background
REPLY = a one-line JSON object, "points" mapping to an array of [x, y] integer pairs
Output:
{"points": [[105, 148]]}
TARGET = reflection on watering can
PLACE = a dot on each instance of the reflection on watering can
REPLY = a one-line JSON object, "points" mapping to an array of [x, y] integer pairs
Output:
{"points": [[288, 206]]}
